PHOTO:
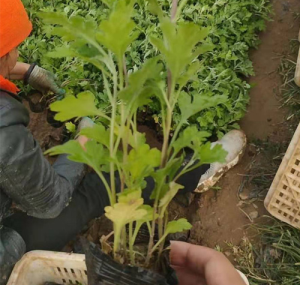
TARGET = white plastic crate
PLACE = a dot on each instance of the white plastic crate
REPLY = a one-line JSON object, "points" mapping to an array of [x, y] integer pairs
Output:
{"points": [[38, 267], [283, 198]]}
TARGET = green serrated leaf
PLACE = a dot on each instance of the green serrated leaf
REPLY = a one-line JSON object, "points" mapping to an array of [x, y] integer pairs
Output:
{"points": [[145, 219], [117, 37], [141, 162], [62, 51], [190, 137], [110, 3], [97, 133], [208, 154], [155, 9], [136, 93], [205, 47], [178, 226], [178, 44], [122, 213], [200, 102], [165, 174], [190, 74], [164, 202], [73, 107], [71, 128], [136, 139], [93, 155], [129, 196], [73, 28], [148, 217], [87, 51]]}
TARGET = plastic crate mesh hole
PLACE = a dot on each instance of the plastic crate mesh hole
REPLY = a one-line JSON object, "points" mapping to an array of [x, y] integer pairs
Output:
{"points": [[69, 275]]}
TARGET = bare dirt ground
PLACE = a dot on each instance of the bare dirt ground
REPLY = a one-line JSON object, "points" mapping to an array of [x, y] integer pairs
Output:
{"points": [[222, 215]]}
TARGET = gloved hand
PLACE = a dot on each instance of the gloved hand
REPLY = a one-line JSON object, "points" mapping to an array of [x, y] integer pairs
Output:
{"points": [[85, 122], [43, 80]]}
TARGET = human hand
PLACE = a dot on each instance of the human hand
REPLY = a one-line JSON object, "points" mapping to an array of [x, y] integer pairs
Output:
{"points": [[85, 122], [198, 265], [43, 80]]}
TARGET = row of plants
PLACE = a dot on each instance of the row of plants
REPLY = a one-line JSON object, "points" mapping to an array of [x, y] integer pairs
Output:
{"points": [[233, 31]]}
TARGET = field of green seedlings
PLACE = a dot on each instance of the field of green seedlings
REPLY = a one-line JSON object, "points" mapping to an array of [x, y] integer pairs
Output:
{"points": [[234, 26]]}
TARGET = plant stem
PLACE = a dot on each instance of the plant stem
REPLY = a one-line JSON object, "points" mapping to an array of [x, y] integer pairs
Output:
{"points": [[117, 233], [136, 231], [169, 81], [186, 169], [164, 152], [162, 239], [108, 190], [131, 242], [152, 232], [125, 147], [124, 242], [167, 122], [111, 139], [106, 85], [174, 10], [160, 231], [125, 71], [175, 135], [181, 5], [121, 75], [165, 221], [112, 174]]}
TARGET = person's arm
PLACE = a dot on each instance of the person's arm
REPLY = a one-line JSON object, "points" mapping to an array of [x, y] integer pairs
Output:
{"points": [[37, 77], [38, 188], [19, 71]]}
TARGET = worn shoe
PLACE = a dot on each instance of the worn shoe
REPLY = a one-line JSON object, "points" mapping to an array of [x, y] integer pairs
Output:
{"points": [[234, 143]]}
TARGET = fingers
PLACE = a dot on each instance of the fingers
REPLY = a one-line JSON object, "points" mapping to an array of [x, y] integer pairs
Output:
{"points": [[194, 256], [186, 277], [56, 90], [207, 263], [54, 84], [85, 122]]}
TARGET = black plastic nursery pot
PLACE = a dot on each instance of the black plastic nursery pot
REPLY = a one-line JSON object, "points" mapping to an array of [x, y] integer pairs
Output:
{"points": [[103, 270]]}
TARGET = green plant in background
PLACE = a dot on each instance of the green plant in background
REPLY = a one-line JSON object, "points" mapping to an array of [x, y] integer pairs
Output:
{"points": [[276, 259], [115, 145], [289, 90], [233, 30]]}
